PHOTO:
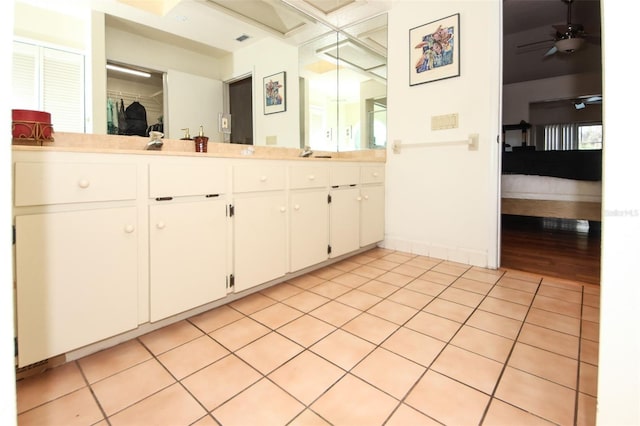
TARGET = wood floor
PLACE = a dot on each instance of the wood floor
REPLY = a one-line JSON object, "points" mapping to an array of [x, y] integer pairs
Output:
{"points": [[554, 247]]}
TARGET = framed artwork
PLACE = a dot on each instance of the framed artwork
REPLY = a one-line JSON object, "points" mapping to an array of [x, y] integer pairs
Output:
{"points": [[275, 93], [434, 50]]}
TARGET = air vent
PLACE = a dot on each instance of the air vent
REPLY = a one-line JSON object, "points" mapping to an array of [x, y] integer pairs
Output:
{"points": [[242, 38]]}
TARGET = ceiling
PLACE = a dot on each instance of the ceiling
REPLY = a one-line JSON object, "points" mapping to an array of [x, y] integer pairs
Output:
{"points": [[529, 21]]}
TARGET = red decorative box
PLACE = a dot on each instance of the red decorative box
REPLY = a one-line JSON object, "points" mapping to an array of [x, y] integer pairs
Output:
{"points": [[34, 125]]}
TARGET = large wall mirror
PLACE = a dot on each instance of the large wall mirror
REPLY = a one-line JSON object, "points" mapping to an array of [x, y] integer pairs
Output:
{"points": [[336, 95]]}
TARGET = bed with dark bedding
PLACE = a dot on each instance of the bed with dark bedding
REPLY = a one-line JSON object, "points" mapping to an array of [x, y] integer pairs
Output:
{"points": [[559, 184]]}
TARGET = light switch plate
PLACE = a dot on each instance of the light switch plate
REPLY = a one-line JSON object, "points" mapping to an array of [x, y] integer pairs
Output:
{"points": [[443, 122]]}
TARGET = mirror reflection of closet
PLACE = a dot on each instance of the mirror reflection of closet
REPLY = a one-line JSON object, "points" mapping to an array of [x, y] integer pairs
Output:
{"points": [[124, 88]]}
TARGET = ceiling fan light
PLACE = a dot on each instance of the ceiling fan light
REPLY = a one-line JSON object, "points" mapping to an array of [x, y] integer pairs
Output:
{"points": [[569, 45]]}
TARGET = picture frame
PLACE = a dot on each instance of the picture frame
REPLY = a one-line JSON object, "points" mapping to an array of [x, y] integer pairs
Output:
{"points": [[434, 50], [275, 93]]}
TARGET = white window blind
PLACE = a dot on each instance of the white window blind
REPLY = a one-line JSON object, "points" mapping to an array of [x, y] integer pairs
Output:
{"points": [[51, 80]]}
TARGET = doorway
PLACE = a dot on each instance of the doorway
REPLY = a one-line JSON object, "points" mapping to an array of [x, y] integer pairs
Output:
{"points": [[241, 110]]}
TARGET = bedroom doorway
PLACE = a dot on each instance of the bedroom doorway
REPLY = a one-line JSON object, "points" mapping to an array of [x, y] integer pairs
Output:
{"points": [[552, 114]]}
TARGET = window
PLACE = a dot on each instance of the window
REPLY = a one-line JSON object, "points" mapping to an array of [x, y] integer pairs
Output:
{"points": [[572, 136], [51, 80]]}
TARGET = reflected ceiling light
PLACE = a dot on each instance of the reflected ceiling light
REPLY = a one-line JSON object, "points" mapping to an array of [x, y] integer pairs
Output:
{"points": [[128, 71], [569, 45]]}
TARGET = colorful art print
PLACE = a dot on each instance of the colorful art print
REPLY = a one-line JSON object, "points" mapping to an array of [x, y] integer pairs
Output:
{"points": [[435, 50], [275, 93]]}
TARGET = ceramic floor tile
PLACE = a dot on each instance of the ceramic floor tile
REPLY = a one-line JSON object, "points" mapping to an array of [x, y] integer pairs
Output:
{"points": [[547, 365], [239, 333], [543, 398], [395, 278], [433, 325], [414, 346], [76, 408], [590, 313], [550, 340], [554, 321], [451, 268], [330, 289], [275, 316], [573, 295], [335, 313], [378, 288], [281, 291], [410, 298], [503, 414], [252, 303], [483, 343], [363, 258], [406, 415], [192, 356], [346, 265], [383, 264], [306, 330], [408, 270], [306, 281], [326, 273], [423, 262], [450, 310], [343, 349], [495, 323], [441, 398], [220, 381], [438, 277], [350, 280], [504, 308], [398, 257], [472, 285], [51, 384], [169, 337], [391, 311], [113, 360], [588, 382], [592, 300], [309, 418], [354, 402], [558, 306], [307, 376], [519, 284], [205, 421], [130, 386], [389, 372], [589, 351], [511, 295], [269, 352], [306, 301], [469, 368], [522, 276], [172, 405], [369, 272], [483, 275], [591, 331], [462, 297], [269, 405], [370, 328], [586, 415], [359, 299], [426, 287], [215, 318]]}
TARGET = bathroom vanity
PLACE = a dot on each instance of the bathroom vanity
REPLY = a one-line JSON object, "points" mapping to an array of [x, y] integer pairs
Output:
{"points": [[112, 241]]}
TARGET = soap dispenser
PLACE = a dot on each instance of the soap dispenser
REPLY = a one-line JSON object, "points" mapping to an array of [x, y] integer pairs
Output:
{"points": [[201, 141], [187, 136]]}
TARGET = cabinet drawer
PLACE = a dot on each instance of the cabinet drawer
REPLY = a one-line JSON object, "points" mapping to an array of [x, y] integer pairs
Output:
{"points": [[175, 180], [308, 176], [258, 177], [372, 174], [344, 175], [60, 183]]}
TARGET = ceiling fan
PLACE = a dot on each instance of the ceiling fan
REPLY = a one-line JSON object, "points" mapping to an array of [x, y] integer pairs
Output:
{"points": [[567, 38]]}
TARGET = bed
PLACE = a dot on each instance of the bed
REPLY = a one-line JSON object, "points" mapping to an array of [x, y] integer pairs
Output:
{"points": [[558, 184]]}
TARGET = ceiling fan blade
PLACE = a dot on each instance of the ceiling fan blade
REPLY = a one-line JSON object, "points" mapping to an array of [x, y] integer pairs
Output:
{"points": [[551, 51], [535, 42]]}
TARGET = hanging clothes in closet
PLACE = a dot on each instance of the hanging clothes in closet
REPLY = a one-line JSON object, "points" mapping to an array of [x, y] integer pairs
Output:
{"points": [[112, 117], [122, 119], [136, 115]]}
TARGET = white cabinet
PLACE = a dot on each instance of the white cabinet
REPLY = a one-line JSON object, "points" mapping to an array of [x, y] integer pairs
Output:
{"points": [[76, 260], [344, 209], [187, 235], [308, 216], [259, 224], [372, 204]]}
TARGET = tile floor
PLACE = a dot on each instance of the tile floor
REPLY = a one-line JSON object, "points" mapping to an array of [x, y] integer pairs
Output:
{"points": [[383, 337]]}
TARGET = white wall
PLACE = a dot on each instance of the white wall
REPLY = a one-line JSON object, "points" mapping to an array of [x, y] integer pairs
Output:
{"points": [[442, 201], [256, 60]]}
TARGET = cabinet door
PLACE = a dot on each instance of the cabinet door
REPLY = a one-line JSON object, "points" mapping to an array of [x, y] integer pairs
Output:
{"points": [[188, 255], [76, 278], [371, 214], [259, 239], [309, 228], [345, 221]]}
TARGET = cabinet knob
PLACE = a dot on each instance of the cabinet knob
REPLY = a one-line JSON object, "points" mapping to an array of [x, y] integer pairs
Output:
{"points": [[297, 207], [83, 183], [263, 178], [312, 177], [359, 198], [283, 209], [160, 225], [129, 229], [376, 174]]}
